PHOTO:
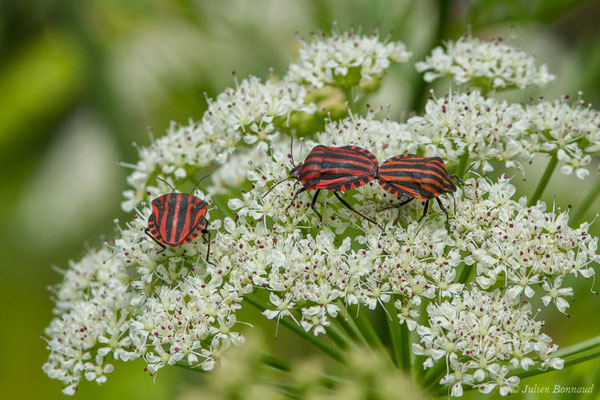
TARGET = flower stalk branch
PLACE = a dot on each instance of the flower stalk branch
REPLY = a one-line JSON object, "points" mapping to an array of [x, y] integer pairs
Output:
{"points": [[583, 207], [330, 351], [395, 334], [539, 190]]}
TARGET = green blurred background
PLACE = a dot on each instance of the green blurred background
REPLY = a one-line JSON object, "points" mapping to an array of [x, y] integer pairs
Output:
{"points": [[81, 80]]}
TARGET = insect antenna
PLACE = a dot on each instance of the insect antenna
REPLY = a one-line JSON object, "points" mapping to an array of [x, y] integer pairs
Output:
{"points": [[461, 182], [168, 184], [293, 164], [200, 180], [273, 187], [463, 175]]}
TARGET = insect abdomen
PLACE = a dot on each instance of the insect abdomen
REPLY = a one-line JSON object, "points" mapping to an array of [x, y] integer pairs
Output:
{"points": [[338, 168], [409, 175]]}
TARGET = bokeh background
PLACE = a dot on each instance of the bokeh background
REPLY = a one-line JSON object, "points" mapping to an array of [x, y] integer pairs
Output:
{"points": [[83, 81]]}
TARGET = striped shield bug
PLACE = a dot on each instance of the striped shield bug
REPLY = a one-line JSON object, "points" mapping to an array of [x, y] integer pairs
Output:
{"points": [[336, 169], [413, 176], [178, 218]]}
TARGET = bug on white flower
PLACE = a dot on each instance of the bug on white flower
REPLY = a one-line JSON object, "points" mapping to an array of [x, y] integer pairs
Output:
{"points": [[463, 287]]}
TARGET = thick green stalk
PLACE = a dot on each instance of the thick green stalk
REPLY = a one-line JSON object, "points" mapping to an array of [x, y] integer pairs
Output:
{"points": [[284, 366], [338, 336], [465, 273], [346, 319], [275, 362], [368, 332], [544, 181], [330, 351], [395, 334], [435, 374], [289, 390], [462, 165], [420, 91], [405, 346], [350, 99], [372, 338], [582, 208]]}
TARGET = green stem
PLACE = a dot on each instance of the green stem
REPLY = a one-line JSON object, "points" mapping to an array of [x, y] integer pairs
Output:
{"points": [[338, 336], [330, 351], [395, 334], [582, 208], [275, 362], [462, 165], [405, 346], [288, 389], [349, 98], [544, 181], [346, 319], [465, 274], [371, 336], [283, 366], [420, 93], [368, 332], [435, 374]]}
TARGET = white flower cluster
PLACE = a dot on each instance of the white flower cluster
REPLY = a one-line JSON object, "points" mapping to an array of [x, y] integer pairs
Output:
{"points": [[572, 132], [482, 335], [345, 60], [484, 128], [251, 112], [92, 303], [126, 301], [255, 111], [543, 248], [485, 64], [468, 124]]}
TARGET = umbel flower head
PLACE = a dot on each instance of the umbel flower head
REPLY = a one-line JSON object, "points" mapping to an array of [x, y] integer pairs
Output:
{"points": [[345, 60], [486, 64], [125, 301]]}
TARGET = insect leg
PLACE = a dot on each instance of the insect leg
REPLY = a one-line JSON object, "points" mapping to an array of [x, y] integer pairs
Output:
{"points": [[442, 207], [349, 207], [303, 189], [163, 247], [205, 233], [453, 176], [398, 205], [312, 205], [424, 210]]}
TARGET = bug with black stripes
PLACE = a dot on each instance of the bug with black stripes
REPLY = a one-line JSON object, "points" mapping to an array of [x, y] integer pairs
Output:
{"points": [[336, 169], [178, 218], [413, 176]]}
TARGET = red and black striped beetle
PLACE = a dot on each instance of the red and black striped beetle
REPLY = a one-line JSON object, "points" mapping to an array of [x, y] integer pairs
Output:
{"points": [[413, 176], [336, 169], [178, 218]]}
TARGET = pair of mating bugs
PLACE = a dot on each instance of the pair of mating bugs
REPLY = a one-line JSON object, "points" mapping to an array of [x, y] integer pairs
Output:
{"points": [[343, 168], [178, 218]]}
